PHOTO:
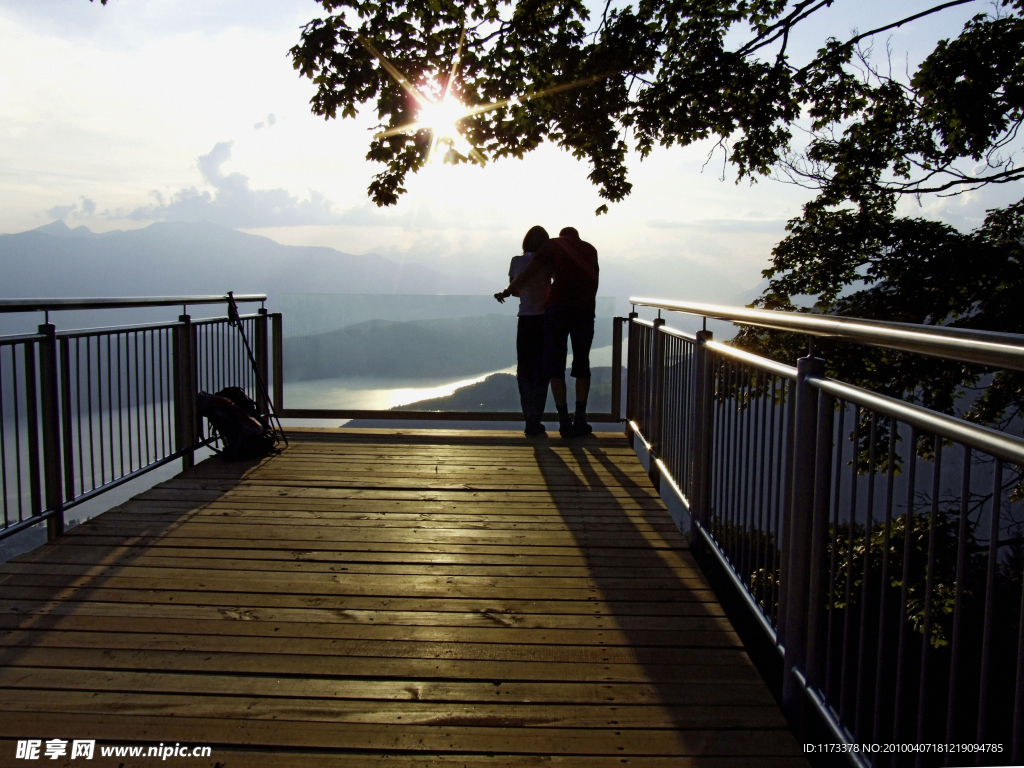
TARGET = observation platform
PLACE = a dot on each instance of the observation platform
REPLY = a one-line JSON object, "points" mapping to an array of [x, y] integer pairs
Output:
{"points": [[387, 598]]}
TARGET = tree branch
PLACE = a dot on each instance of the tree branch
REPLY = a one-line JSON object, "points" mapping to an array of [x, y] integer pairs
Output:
{"points": [[604, 19], [784, 25], [916, 16]]}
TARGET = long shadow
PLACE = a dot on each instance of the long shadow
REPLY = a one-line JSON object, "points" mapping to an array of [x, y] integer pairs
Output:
{"points": [[674, 590]]}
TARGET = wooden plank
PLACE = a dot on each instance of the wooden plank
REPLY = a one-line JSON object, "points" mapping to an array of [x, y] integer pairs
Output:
{"points": [[394, 713], [707, 693], [692, 633], [356, 587], [376, 649], [432, 550], [375, 667], [495, 522], [697, 603], [248, 560], [702, 616], [212, 531], [563, 498], [594, 562], [293, 579]]}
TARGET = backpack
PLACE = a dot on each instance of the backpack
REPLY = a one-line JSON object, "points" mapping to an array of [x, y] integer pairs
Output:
{"points": [[236, 420]]}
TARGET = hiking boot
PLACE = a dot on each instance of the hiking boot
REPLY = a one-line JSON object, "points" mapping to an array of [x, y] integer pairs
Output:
{"points": [[565, 428], [580, 427], [534, 429]]}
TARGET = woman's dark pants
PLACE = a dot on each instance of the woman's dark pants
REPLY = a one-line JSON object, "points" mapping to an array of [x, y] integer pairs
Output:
{"points": [[533, 387]]}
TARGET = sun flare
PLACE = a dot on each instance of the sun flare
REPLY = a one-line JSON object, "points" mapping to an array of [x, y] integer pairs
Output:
{"points": [[442, 118]]}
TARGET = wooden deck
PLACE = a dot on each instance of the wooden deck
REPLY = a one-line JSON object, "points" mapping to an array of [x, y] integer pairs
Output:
{"points": [[387, 598]]}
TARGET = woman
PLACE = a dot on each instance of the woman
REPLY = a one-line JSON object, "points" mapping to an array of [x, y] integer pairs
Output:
{"points": [[533, 388]]}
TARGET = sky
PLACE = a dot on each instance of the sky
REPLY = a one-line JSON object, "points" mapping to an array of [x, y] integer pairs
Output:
{"points": [[148, 110]]}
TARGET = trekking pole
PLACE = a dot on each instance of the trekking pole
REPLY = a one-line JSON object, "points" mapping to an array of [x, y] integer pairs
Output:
{"points": [[236, 321]]}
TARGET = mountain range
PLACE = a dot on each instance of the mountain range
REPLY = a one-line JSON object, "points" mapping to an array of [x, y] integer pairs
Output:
{"points": [[173, 258], [176, 258]]}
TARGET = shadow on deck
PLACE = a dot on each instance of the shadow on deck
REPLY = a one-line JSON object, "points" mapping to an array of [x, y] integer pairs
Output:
{"points": [[385, 597]]}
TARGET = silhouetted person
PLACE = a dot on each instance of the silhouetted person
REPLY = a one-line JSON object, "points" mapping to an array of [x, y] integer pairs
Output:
{"points": [[569, 314], [533, 295]]}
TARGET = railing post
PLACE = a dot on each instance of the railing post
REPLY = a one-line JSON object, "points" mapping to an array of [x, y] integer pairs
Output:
{"points": [[632, 358], [184, 392], [817, 590], [66, 421], [616, 404], [32, 428], [657, 406], [49, 395], [703, 390], [278, 335], [797, 543], [262, 358], [789, 420]]}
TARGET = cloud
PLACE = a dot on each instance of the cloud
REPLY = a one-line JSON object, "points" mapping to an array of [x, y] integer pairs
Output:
{"points": [[61, 211], [233, 203], [82, 210], [268, 123]]}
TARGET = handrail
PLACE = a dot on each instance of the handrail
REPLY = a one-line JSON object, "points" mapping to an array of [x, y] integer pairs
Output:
{"points": [[674, 332], [1003, 446], [785, 371], [21, 338], [209, 320], [130, 328], [1000, 350], [54, 305]]}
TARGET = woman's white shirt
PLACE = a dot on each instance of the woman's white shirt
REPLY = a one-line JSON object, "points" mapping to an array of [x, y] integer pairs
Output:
{"points": [[533, 295]]}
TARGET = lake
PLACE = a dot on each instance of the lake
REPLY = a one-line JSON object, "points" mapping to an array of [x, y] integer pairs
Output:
{"points": [[374, 393]]}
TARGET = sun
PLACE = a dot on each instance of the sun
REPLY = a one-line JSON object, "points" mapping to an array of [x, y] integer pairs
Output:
{"points": [[442, 118]]}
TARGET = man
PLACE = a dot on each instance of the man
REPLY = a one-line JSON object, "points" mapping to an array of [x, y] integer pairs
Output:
{"points": [[568, 314]]}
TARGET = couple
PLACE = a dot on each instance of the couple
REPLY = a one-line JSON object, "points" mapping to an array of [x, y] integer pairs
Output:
{"points": [[556, 282]]}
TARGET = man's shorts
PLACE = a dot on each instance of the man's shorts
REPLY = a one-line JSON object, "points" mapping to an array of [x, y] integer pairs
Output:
{"points": [[562, 323]]}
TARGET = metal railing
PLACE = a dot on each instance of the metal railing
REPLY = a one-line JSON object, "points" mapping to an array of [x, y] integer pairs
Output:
{"points": [[85, 410], [878, 544]]}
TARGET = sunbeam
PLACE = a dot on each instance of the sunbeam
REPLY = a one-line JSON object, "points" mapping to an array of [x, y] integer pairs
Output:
{"points": [[442, 117]]}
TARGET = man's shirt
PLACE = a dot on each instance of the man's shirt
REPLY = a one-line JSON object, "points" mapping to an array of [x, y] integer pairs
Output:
{"points": [[573, 266]]}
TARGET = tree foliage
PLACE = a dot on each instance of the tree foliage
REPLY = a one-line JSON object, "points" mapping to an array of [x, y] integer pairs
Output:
{"points": [[662, 72], [860, 263]]}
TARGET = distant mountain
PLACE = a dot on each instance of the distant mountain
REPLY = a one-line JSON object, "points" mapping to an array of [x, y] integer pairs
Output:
{"points": [[59, 229], [442, 348], [199, 258]]}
